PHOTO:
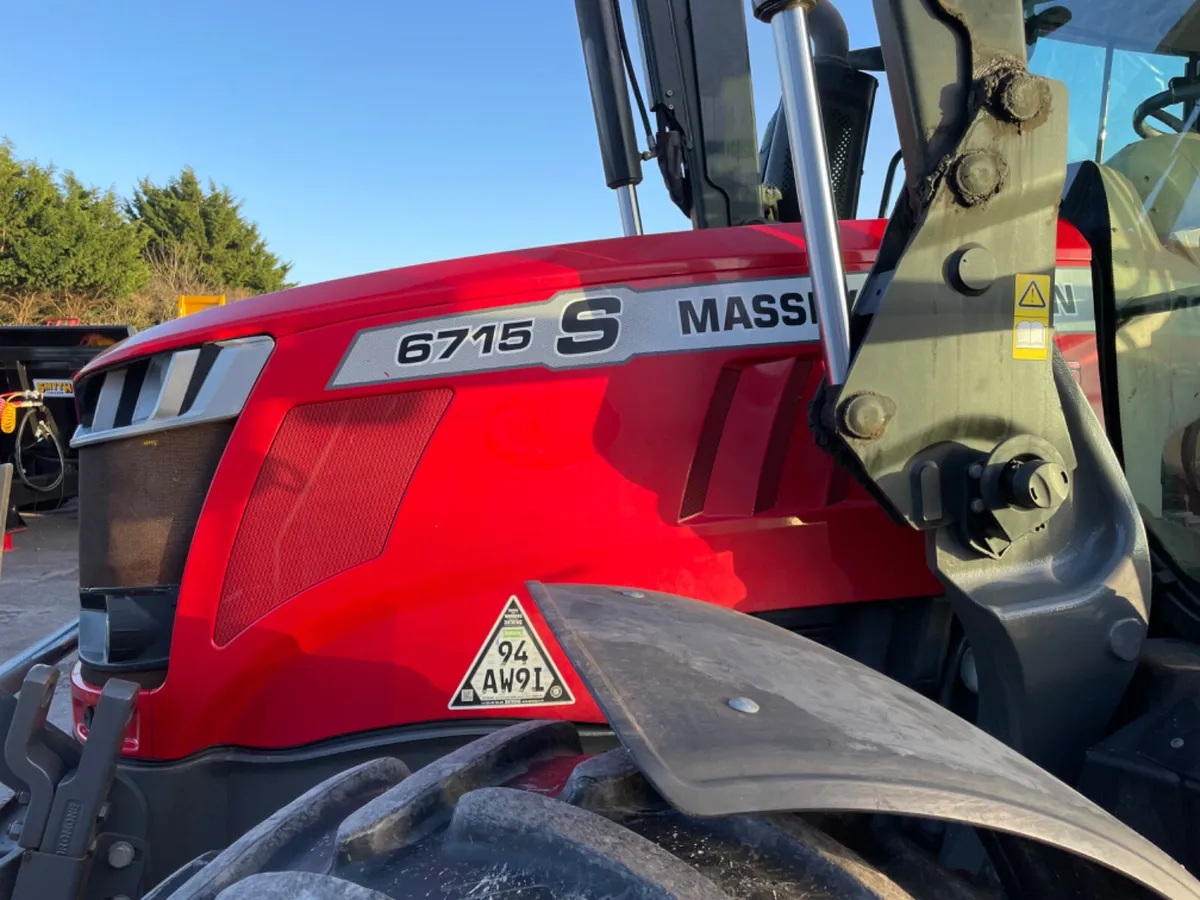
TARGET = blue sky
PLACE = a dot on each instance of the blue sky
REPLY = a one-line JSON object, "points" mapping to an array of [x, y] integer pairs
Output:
{"points": [[361, 135]]}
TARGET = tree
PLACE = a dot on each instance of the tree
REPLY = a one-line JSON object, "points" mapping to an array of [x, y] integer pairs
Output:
{"points": [[209, 230], [59, 237]]}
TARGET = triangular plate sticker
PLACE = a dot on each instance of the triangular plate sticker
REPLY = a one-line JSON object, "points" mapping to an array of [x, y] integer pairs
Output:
{"points": [[1033, 298], [512, 668]]}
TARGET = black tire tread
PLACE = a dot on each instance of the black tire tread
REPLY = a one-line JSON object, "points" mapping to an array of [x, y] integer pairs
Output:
{"points": [[477, 823]]}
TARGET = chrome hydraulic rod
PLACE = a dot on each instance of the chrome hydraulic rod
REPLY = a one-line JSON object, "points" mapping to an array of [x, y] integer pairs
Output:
{"points": [[802, 112]]}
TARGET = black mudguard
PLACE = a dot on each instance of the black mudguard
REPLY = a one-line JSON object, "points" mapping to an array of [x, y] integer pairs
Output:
{"points": [[828, 733]]}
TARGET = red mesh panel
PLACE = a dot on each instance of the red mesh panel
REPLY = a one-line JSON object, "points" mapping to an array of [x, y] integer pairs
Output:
{"points": [[325, 498]]}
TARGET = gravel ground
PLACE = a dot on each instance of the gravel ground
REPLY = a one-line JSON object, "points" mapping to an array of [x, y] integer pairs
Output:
{"points": [[39, 593]]}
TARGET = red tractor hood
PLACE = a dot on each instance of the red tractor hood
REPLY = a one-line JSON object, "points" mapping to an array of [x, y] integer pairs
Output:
{"points": [[486, 280]]}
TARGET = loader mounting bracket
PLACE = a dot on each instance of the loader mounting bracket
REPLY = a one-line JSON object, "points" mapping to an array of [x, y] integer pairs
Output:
{"points": [[69, 832], [957, 412]]}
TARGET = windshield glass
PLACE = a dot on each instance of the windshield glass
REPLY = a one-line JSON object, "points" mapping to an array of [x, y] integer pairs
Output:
{"points": [[1134, 82], [1112, 61]]}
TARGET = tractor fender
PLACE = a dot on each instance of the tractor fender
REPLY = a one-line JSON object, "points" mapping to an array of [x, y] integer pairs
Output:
{"points": [[727, 714]]}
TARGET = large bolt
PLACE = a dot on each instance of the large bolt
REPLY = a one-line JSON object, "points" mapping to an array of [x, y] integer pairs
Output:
{"points": [[974, 269], [979, 175], [1039, 485], [1023, 96], [865, 416], [969, 671], [1125, 638], [121, 854], [743, 705]]}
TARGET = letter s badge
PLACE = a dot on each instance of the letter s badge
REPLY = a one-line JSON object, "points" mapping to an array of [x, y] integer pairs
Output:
{"points": [[591, 325]]}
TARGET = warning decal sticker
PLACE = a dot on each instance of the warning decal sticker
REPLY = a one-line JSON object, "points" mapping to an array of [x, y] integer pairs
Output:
{"points": [[512, 668], [1031, 317]]}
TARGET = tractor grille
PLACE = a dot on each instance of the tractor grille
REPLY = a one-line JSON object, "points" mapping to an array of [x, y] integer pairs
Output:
{"points": [[139, 499], [151, 435]]}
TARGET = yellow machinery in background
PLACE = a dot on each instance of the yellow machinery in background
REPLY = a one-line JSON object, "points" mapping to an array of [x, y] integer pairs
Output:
{"points": [[189, 304]]}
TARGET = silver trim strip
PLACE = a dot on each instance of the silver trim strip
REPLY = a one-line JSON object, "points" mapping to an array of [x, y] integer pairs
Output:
{"points": [[109, 399], [222, 396], [175, 384]]}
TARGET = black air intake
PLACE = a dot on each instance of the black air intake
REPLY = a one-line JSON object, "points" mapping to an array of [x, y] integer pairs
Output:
{"points": [[139, 500]]}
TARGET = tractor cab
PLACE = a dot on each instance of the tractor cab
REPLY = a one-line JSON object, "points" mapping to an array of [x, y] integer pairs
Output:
{"points": [[811, 517], [1133, 189]]}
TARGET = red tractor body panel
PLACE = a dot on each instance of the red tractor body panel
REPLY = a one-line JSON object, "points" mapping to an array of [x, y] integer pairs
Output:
{"points": [[358, 544]]}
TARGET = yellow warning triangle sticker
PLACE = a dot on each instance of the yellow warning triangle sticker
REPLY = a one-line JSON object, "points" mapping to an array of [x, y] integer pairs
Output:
{"points": [[512, 668], [1033, 298]]}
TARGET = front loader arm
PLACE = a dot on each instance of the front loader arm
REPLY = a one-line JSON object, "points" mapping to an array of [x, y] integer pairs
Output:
{"points": [[958, 413]]}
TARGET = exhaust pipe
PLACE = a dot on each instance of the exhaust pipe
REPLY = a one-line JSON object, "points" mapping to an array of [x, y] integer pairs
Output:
{"points": [[598, 31], [830, 38]]}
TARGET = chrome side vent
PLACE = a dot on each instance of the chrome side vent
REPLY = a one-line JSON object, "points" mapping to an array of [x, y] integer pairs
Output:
{"points": [[171, 390]]}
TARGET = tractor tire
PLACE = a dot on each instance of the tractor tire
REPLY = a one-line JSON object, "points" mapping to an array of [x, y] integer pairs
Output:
{"points": [[523, 814]]}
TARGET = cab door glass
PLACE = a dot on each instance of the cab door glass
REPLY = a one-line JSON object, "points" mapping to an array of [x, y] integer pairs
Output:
{"points": [[1151, 170]]}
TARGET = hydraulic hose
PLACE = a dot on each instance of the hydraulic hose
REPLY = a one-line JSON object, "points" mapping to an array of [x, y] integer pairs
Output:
{"points": [[19, 461]]}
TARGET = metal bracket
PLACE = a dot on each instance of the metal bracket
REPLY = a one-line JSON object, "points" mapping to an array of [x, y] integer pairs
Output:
{"points": [[946, 306], [954, 411], [64, 790], [33, 765]]}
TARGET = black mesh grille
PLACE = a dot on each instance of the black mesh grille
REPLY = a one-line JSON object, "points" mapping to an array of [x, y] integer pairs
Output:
{"points": [[847, 98], [139, 499], [839, 140]]}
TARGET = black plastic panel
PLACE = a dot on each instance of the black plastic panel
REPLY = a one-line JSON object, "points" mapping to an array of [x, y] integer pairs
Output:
{"points": [[825, 733]]}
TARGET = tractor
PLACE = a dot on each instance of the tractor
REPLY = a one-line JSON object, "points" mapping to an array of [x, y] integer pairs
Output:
{"points": [[792, 555]]}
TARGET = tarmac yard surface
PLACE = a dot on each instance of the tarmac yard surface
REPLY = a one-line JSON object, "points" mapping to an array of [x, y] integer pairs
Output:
{"points": [[39, 580], [39, 593]]}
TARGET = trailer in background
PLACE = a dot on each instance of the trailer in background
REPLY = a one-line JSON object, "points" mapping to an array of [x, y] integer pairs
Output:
{"points": [[37, 367]]}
